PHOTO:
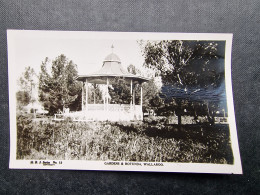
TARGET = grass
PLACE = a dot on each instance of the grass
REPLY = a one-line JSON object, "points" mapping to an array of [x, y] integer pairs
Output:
{"points": [[122, 141]]}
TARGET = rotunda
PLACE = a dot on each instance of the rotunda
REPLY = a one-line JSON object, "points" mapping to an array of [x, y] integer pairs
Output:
{"points": [[111, 69]]}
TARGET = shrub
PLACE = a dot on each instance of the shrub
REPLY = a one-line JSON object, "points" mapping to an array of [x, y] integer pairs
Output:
{"points": [[122, 141]]}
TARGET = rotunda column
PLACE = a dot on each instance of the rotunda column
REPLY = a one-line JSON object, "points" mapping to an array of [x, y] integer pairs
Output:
{"points": [[131, 91], [107, 95], [82, 96], [141, 100], [86, 86]]}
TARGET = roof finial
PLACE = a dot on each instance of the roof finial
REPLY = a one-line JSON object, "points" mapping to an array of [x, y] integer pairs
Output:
{"points": [[112, 47]]}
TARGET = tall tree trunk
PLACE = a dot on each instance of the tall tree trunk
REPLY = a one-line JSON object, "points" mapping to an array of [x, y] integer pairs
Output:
{"points": [[210, 116], [179, 111], [94, 95], [179, 119]]}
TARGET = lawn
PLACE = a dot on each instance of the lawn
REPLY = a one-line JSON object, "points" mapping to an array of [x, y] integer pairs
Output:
{"points": [[122, 141]]}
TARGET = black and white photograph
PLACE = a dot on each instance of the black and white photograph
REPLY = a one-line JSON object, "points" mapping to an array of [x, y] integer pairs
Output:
{"points": [[122, 101]]}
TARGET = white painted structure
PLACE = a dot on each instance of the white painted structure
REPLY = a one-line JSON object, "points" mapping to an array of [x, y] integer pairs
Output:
{"points": [[110, 70]]}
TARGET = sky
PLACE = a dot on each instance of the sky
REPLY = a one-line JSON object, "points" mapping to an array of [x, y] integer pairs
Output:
{"points": [[31, 48], [86, 49]]}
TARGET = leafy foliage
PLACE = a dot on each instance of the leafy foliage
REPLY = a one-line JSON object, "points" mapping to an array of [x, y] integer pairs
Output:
{"points": [[23, 98], [151, 91], [151, 95], [95, 94], [59, 89], [133, 70], [184, 64], [28, 80], [120, 91], [122, 142], [27, 83]]}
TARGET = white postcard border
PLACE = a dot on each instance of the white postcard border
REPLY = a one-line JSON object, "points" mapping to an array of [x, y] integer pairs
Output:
{"points": [[235, 168]]}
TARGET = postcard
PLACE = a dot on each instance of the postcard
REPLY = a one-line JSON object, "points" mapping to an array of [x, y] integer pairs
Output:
{"points": [[122, 101]]}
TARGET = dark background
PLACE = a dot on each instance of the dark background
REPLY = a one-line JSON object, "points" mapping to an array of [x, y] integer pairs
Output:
{"points": [[242, 18]]}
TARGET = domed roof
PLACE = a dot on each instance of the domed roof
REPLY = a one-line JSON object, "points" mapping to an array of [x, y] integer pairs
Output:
{"points": [[111, 67], [112, 58]]}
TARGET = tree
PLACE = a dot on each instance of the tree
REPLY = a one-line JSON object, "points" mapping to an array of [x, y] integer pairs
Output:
{"points": [[184, 64], [23, 99], [151, 95], [133, 70], [27, 83], [151, 91], [119, 91], [94, 94], [59, 89]]}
